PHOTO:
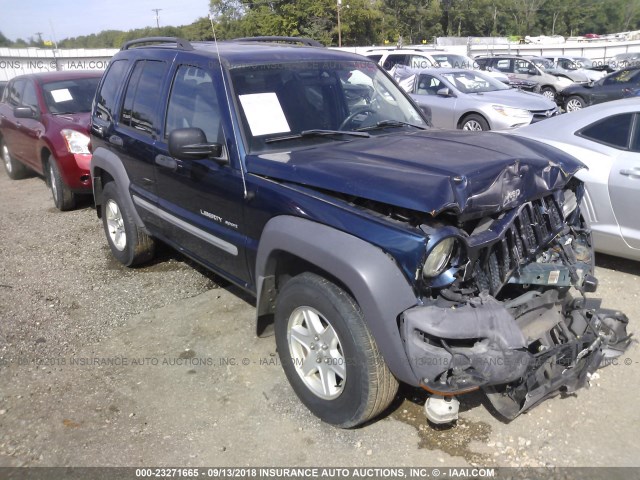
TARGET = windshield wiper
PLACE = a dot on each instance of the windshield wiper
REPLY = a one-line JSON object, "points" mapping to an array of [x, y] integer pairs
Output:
{"points": [[316, 133], [388, 124]]}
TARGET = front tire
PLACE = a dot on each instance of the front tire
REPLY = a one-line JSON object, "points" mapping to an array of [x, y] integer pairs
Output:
{"points": [[15, 170], [63, 198], [328, 354], [474, 123], [549, 93], [128, 243], [574, 104]]}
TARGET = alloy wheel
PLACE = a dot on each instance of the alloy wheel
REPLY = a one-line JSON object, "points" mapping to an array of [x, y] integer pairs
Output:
{"points": [[472, 125], [316, 353], [6, 156], [115, 225]]}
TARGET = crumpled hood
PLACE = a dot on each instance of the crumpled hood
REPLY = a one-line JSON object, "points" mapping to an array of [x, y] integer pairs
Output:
{"points": [[428, 171]]}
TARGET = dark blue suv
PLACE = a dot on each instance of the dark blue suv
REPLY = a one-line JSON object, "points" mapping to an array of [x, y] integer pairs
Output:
{"points": [[379, 250]]}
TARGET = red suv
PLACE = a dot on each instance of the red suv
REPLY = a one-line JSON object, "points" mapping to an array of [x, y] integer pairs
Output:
{"points": [[44, 124]]}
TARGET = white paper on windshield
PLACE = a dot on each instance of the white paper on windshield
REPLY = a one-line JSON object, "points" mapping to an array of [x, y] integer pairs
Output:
{"points": [[264, 113], [61, 95]]}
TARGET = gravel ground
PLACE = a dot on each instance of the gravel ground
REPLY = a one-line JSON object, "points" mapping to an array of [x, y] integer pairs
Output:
{"points": [[63, 297]]}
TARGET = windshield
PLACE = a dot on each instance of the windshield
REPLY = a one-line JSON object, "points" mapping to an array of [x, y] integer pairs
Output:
{"points": [[583, 62], [70, 96], [543, 63], [474, 82], [304, 103], [452, 60]]}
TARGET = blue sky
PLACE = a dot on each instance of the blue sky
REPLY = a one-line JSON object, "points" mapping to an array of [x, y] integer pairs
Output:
{"points": [[71, 18]]}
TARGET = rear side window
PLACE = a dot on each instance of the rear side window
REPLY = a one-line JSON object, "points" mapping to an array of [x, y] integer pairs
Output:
{"points": [[504, 65], [106, 98], [395, 59], [613, 131], [143, 96], [417, 61]]}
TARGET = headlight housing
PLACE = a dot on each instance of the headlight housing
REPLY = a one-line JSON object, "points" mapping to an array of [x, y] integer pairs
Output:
{"points": [[77, 142], [570, 203], [439, 258], [512, 112]]}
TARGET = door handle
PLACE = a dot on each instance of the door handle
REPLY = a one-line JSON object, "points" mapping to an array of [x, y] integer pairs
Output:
{"points": [[167, 162], [635, 173]]}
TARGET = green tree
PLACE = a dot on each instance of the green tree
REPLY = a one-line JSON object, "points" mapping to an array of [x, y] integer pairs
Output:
{"points": [[4, 41]]}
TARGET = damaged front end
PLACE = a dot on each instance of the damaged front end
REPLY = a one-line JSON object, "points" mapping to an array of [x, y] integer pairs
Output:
{"points": [[505, 309]]}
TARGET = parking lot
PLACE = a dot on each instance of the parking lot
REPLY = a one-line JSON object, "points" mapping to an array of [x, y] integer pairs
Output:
{"points": [[160, 365]]}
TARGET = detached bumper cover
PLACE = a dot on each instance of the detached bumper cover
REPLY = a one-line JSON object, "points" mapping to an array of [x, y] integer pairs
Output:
{"points": [[551, 346]]}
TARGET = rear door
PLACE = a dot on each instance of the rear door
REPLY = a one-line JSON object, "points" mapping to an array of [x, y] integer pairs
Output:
{"points": [[200, 201], [138, 125]]}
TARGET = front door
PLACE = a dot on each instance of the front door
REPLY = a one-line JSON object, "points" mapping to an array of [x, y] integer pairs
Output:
{"points": [[200, 201]]}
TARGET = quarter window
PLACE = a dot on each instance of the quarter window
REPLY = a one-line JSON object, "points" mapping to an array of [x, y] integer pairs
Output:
{"points": [[143, 96], [613, 131]]}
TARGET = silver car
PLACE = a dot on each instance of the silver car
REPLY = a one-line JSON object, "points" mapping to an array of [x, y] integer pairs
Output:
{"points": [[471, 100], [605, 138]]}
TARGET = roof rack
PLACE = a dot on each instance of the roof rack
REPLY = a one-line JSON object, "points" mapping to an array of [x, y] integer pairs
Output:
{"points": [[181, 43], [274, 38]]}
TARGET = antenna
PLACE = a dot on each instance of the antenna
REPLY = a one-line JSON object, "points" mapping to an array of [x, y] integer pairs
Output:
{"points": [[226, 92]]}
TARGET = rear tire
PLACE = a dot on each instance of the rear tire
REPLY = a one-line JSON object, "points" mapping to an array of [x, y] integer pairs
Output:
{"points": [[128, 243], [63, 198], [328, 354], [15, 170], [474, 123]]}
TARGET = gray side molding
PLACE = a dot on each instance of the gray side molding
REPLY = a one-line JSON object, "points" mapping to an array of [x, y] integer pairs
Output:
{"points": [[377, 284], [109, 162]]}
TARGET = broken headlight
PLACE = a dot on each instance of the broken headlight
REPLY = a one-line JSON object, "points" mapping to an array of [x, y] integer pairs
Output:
{"points": [[439, 258], [570, 203]]}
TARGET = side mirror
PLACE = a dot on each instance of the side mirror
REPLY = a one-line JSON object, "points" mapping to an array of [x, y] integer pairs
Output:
{"points": [[444, 92], [191, 144], [24, 112]]}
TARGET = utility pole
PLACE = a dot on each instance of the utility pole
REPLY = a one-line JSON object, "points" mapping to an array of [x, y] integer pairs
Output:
{"points": [[39, 35], [339, 6], [157, 10]]}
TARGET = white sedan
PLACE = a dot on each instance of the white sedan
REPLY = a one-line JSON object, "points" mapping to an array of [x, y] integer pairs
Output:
{"points": [[606, 138]]}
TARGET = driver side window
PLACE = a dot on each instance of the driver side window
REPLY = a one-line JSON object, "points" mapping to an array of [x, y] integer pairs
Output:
{"points": [[428, 85], [29, 97], [193, 104]]}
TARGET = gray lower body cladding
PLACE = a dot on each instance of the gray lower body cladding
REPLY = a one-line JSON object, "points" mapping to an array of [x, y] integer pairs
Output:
{"points": [[519, 352]]}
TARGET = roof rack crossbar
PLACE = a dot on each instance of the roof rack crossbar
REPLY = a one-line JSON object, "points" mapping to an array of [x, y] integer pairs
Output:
{"points": [[181, 43], [274, 38]]}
